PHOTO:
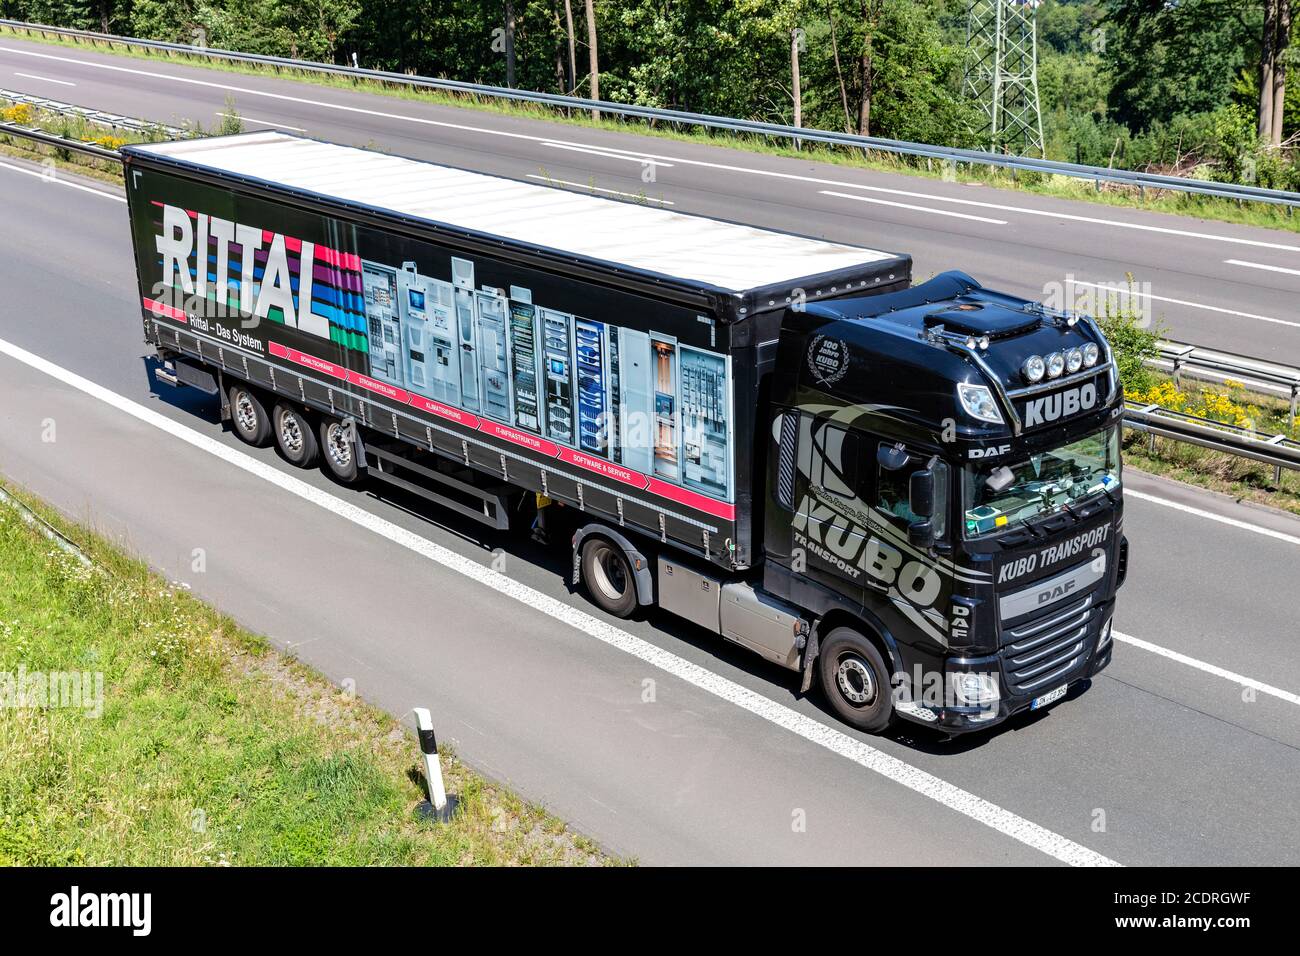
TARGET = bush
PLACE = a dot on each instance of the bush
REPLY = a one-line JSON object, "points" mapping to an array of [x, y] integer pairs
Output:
{"points": [[1134, 341], [20, 114]]}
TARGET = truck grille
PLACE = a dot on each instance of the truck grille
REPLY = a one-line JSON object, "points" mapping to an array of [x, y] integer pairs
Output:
{"points": [[1046, 648]]}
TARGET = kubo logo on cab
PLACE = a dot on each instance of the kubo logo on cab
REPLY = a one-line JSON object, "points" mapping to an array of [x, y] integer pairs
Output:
{"points": [[1062, 404]]}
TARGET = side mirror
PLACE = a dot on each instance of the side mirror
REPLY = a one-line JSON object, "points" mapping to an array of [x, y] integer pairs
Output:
{"points": [[920, 534], [920, 492], [892, 458]]}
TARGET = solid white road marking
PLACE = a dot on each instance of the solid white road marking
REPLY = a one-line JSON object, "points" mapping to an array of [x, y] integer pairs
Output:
{"points": [[40, 174], [838, 742], [1214, 669], [1195, 305], [608, 153], [1261, 265], [43, 79], [259, 122], [1211, 516], [599, 189], [905, 205], [1164, 230]]}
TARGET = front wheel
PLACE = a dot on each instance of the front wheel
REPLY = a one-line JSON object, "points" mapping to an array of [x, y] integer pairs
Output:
{"points": [[856, 681], [608, 575]]}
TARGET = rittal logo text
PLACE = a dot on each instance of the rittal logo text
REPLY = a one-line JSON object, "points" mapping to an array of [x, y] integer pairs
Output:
{"points": [[1063, 404], [75, 908]]}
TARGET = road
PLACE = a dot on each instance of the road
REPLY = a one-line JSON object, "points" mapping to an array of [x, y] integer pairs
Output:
{"points": [[1213, 284], [657, 740]]}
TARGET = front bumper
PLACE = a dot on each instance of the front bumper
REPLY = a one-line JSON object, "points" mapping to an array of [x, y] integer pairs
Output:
{"points": [[957, 719]]}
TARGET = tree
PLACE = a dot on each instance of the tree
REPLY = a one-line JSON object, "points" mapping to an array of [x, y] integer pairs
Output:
{"points": [[573, 51], [592, 58]]}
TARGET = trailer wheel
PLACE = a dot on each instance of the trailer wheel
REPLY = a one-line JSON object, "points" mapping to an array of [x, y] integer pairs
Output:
{"points": [[249, 417], [608, 577], [856, 681], [295, 436], [339, 451]]}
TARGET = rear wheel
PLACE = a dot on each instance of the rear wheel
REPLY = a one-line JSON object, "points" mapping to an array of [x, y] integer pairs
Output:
{"points": [[608, 575], [295, 436], [856, 681], [339, 450], [248, 416]]}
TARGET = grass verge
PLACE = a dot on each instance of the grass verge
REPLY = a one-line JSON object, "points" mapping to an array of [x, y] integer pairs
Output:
{"points": [[207, 746], [1182, 204]]}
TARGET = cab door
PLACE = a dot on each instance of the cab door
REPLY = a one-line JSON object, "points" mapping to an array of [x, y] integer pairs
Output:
{"points": [[817, 519]]}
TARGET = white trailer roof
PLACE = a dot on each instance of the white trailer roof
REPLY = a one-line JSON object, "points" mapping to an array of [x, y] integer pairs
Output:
{"points": [[725, 255]]}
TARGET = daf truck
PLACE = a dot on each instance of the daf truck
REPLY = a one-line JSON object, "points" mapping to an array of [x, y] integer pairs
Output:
{"points": [[910, 495]]}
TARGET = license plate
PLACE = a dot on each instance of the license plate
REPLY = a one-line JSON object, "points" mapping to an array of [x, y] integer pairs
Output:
{"points": [[1049, 698]]}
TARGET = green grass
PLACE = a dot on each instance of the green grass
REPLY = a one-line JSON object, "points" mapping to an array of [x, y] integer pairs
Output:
{"points": [[210, 748], [1255, 214], [1240, 478]]}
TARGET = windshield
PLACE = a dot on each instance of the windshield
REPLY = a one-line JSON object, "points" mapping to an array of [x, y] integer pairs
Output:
{"points": [[1000, 495]]}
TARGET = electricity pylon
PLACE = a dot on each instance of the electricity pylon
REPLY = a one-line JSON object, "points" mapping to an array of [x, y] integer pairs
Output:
{"points": [[1002, 73]]}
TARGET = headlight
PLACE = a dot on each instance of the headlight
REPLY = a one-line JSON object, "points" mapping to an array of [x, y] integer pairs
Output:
{"points": [[1033, 369], [973, 689], [1073, 361], [1104, 639], [1055, 365], [1090, 354], [978, 402]]}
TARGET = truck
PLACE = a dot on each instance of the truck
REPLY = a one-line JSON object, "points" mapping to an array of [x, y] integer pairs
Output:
{"points": [[908, 494]]}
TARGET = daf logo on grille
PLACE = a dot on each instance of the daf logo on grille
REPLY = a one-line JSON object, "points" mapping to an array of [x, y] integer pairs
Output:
{"points": [[1063, 404], [1055, 593]]}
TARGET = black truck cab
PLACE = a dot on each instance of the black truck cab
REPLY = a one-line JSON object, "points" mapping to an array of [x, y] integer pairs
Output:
{"points": [[943, 478]]}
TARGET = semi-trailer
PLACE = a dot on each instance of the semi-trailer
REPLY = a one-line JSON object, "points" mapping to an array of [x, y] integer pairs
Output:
{"points": [[910, 495]]}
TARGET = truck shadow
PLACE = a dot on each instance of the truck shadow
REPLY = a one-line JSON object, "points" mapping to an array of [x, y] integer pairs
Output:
{"points": [[190, 400], [773, 681]]}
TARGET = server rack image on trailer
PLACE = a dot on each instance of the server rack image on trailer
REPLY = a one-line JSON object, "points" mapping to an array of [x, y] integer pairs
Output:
{"points": [[462, 277], [524, 359], [494, 380], [383, 322], [589, 352], [428, 334], [557, 355], [665, 420], [636, 419]]}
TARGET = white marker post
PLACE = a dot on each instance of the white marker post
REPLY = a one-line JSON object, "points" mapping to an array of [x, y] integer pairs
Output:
{"points": [[438, 806]]}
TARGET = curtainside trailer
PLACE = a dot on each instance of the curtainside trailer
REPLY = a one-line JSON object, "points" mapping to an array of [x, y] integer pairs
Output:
{"points": [[910, 494]]}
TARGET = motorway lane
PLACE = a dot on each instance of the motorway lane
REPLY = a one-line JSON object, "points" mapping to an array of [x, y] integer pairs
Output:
{"points": [[1035, 245], [1184, 769]]}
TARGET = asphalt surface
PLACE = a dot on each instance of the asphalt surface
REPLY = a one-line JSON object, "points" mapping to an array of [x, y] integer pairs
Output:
{"points": [[1213, 284], [1160, 761]]}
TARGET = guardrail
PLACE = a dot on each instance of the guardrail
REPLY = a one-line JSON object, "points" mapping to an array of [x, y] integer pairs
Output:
{"points": [[60, 142], [113, 121], [1214, 365], [1276, 450], [1097, 174]]}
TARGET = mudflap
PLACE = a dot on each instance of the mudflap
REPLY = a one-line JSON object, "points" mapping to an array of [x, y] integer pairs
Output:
{"points": [[809, 661]]}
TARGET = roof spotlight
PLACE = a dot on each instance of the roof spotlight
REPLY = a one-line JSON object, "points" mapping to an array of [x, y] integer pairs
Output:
{"points": [[984, 343], [1055, 365]]}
